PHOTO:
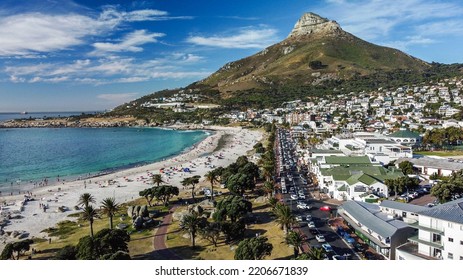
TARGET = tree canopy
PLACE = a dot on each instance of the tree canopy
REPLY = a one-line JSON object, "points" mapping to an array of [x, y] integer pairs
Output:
{"points": [[447, 189], [255, 248], [233, 207]]}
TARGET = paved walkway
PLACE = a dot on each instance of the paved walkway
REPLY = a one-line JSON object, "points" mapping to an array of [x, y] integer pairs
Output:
{"points": [[159, 241]]}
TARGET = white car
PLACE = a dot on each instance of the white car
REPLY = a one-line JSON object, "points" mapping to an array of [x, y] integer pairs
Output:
{"points": [[320, 238], [293, 196], [311, 224], [301, 206], [299, 218], [302, 196], [308, 218]]}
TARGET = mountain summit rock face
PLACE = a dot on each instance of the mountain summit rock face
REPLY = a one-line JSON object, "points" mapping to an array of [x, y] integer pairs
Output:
{"points": [[311, 23], [316, 50]]}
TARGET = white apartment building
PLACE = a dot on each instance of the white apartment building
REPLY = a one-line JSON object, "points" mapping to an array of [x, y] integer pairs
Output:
{"points": [[440, 234]]}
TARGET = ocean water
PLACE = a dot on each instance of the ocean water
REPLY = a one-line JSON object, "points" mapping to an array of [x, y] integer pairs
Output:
{"points": [[29, 155]]}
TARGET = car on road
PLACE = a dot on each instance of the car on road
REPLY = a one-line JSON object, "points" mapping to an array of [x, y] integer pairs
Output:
{"points": [[308, 218], [320, 238], [302, 196], [313, 231], [293, 197], [311, 224], [327, 247], [299, 218], [301, 206]]}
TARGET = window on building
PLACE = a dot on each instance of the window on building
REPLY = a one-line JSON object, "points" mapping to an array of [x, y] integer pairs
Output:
{"points": [[461, 242], [450, 256], [450, 239], [450, 225], [461, 258], [404, 214]]}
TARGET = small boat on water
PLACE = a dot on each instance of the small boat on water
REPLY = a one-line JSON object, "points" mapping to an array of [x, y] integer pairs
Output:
{"points": [[24, 113]]}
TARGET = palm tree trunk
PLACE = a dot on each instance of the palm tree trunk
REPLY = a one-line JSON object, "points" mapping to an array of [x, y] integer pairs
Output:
{"points": [[193, 193], [192, 240], [296, 252], [91, 229], [110, 222]]}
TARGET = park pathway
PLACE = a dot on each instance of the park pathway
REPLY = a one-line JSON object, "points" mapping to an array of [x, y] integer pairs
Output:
{"points": [[159, 241]]}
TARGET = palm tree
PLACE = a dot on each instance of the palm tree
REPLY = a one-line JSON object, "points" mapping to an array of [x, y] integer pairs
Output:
{"points": [[296, 240], [273, 201], [212, 176], [284, 216], [85, 199], [267, 170], [89, 214], [109, 207], [190, 223], [157, 179], [268, 188], [316, 254], [191, 181]]}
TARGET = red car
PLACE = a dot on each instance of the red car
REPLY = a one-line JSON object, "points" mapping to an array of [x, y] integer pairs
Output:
{"points": [[325, 208]]}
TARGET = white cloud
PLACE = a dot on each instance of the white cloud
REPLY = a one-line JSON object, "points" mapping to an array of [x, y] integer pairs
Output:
{"points": [[130, 43], [379, 18], [29, 34], [246, 38], [409, 41], [109, 69]]}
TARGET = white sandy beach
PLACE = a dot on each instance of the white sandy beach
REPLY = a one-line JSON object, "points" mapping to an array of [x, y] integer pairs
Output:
{"points": [[126, 183]]}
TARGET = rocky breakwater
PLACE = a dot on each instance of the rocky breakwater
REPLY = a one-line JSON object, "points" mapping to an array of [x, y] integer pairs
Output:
{"points": [[74, 122]]}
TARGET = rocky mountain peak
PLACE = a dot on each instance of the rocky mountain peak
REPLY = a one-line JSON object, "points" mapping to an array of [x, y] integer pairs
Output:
{"points": [[311, 23]]}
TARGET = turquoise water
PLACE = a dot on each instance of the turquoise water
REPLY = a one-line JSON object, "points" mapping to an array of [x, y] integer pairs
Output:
{"points": [[32, 154]]}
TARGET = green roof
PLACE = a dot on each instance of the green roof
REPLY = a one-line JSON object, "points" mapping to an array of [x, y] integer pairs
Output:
{"points": [[363, 178], [347, 160], [404, 133], [365, 174]]}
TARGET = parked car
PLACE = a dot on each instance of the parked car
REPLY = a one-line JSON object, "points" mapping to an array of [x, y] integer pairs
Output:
{"points": [[301, 206], [308, 218], [320, 238], [299, 218], [311, 224], [327, 247], [293, 197], [302, 196]]}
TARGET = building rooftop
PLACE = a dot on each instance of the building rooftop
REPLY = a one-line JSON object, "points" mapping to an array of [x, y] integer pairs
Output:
{"points": [[347, 160], [402, 206], [320, 151], [404, 133], [451, 211], [370, 216], [437, 163]]}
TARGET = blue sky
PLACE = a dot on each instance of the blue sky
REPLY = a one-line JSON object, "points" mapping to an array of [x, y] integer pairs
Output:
{"points": [[85, 55]]}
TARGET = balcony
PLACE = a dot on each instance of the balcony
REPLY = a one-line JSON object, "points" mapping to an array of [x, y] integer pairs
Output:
{"points": [[415, 239], [432, 230]]}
